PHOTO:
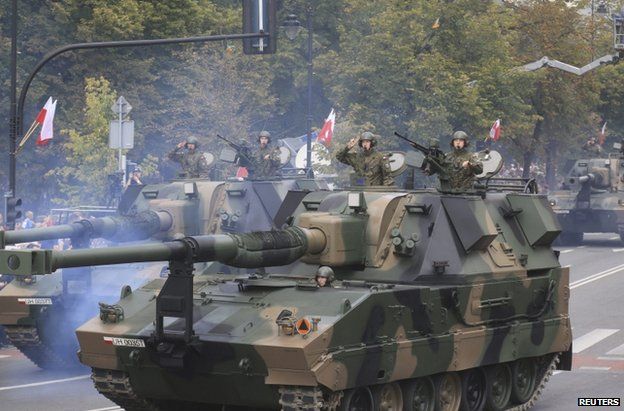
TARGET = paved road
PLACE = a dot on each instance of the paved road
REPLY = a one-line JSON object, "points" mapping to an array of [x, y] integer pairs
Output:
{"points": [[597, 292]]}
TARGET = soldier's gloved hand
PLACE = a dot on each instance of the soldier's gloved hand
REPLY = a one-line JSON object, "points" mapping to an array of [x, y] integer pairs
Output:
{"points": [[352, 142], [466, 164], [182, 144], [267, 156]]}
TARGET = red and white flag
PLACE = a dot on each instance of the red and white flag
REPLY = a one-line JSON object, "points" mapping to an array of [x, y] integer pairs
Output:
{"points": [[327, 132], [495, 130], [603, 134], [46, 119], [242, 172]]}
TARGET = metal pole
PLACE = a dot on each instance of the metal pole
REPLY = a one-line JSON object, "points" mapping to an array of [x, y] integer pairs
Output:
{"points": [[593, 30], [121, 167], [15, 120], [18, 117], [309, 171]]}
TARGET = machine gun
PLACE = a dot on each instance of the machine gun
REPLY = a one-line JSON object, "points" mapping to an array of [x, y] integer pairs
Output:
{"points": [[242, 151], [434, 157]]}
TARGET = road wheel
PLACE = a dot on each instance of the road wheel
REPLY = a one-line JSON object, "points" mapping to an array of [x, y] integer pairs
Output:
{"points": [[499, 387], [419, 394], [448, 391], [523, 379], [474, 390], [357, 399], [388, 397]]}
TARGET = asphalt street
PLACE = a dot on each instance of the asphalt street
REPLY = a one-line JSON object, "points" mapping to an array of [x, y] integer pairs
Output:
{"points": [[597, 291]]}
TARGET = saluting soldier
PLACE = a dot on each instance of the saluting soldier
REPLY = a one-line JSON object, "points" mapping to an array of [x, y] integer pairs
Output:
{"points": [[266, 159], [193, 162], [371, 167], [460, 167], [592, 147]]}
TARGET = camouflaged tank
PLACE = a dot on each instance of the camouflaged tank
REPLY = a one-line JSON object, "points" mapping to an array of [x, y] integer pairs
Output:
{"points": [[40, 314], [591, 199], [437, 301]]}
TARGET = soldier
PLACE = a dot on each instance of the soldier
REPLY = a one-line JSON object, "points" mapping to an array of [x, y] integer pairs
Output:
{"points": [[193, 162], [460, 166], [266, 159], [592, 147], [135, 177], [324, 276], [371, 167]]}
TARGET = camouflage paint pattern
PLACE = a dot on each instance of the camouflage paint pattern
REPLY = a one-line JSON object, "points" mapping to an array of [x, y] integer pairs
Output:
{"points": [[445, 283]]}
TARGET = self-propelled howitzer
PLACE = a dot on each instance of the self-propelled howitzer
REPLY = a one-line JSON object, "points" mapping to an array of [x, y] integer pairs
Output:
{"points": [[438, 300]]}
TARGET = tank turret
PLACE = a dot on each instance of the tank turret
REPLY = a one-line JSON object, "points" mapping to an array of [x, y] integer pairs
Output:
{"points": [[591, 197], [40, 314], [436, 294]]}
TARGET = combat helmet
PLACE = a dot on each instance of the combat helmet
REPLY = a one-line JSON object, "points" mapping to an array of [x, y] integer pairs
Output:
{"points": [[266, 134], [325, 272], [460, 135], [192, 140], [367, 135]]}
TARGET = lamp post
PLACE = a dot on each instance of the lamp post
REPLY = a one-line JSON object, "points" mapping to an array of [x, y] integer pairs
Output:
{"points": [[292, 27]]}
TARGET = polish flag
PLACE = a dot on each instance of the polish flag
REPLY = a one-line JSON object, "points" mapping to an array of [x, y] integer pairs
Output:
{"points": [[603, 134], [46, 119], [242, 172], [495, 130], [327, 132]]}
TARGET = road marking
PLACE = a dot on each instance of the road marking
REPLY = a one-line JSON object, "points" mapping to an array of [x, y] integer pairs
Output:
{"points": [[617, 237], [595, 368], [596, 276], [593, 337], [617, 350], [582, 246], [611, 358], [106, 409], [4, 356], [618, 250], [566, 251], [36, 384]]}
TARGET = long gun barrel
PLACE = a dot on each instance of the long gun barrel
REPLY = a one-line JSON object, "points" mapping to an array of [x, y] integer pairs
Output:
{"points": [[433, 154], [259, 249], [589, 178], [119, 228]]}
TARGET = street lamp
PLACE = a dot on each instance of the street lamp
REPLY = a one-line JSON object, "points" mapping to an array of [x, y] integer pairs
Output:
{"points": [[292, 27]]}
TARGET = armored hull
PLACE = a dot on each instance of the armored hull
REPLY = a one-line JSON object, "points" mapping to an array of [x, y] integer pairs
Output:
{"points": [[40, 314], [438, 301], [592, 199]]}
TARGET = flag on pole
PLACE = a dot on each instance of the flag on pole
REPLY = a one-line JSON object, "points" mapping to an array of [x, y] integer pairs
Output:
{"points": [[327, 132], [495, 130], [242, 172], [603, 134], [46, 119]]}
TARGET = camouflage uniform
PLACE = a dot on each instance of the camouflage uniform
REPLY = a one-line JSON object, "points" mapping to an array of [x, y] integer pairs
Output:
{"points": [[193, 162], [262, 167], [371, 167], [455, 177], [592, 148]]}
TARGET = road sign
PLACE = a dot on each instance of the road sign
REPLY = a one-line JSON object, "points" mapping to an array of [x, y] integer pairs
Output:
{"points": [[121, 137], [121, 106]]}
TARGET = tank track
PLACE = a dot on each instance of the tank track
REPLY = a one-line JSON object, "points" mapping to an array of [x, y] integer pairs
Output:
{"points": [[115, 385], [546, 370], [306, 398], [27, 340]]}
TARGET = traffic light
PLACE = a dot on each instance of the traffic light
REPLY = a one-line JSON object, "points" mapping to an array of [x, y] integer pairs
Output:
{"points": [[11, 211], [260, 16]]}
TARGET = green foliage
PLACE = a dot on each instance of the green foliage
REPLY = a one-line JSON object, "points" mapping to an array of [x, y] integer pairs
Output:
{"points": [[89, 160]]}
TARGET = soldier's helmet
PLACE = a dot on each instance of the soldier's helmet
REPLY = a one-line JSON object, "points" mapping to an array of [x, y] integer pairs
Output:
{"points": [[192, 140], [367, 135], [325, 272], [266, 134], [460, 135]]}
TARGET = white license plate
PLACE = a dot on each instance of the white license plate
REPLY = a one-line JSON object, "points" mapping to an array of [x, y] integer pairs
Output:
{"points": [[35, 301], [125, 342]]}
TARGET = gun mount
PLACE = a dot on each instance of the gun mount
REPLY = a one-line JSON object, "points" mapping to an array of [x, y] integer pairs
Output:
{"points": [[591, 198], [399, 308]]}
